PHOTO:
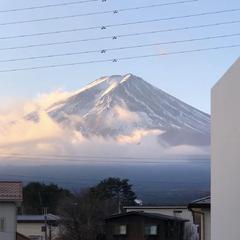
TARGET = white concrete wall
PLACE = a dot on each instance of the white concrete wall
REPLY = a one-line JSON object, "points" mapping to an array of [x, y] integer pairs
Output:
{"points": [[226, 156], [8, 211]]}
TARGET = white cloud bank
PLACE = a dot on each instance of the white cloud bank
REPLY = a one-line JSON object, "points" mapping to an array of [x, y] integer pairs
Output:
{"points": [[46, 137]]}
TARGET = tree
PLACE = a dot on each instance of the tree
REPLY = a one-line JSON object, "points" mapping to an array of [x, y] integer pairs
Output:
{"points": [[83, 217], [117, 190], [38, 195]]}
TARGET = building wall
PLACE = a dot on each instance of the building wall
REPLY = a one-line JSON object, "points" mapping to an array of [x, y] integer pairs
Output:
{"points": [[136, 228], [226, 156], [186, 214], [8, 212], [35, 229], [207, 220]]}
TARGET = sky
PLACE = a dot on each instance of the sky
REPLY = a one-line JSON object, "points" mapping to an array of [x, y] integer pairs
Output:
{"points": [[189, 77]]}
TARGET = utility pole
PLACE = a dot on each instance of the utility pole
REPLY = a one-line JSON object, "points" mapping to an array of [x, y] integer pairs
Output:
{"points": [[119, 202], [45, 222]]}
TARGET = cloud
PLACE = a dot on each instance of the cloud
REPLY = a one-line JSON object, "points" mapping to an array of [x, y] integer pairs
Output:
{"points": [[21, 131], [45, 136], [137, 135]]}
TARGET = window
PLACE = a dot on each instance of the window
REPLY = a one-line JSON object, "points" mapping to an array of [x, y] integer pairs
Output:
{"points": [[151, 230], [120, 230], [2, 224], [177, 213]]}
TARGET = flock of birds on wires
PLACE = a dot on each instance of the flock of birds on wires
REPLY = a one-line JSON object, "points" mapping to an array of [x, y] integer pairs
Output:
{"points": [[101, 36]]}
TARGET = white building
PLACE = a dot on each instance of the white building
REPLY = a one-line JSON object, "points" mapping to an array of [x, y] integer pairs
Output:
{"points": [[10, 198], [33, 226], [226, 156]]}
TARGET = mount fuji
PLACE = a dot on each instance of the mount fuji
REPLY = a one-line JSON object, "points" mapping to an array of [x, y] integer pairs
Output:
{"points": [[116, 106]]}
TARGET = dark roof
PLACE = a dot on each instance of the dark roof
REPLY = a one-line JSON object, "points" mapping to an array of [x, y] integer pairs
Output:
{"points": [[157, 207], [148, 215], [20, 236], [201, 203], [37, 218], [10, 191]]}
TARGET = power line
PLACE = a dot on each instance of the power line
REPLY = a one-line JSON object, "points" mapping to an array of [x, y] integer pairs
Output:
{"points": [[76, 180], [103, 27], [114, 11], [115, 37], [78, 157], [103, 51], [47, 6], [114, 60], [111, 162]]}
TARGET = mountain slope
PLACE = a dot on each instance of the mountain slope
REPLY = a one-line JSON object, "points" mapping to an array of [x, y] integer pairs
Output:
{"points": [[119, 105]]}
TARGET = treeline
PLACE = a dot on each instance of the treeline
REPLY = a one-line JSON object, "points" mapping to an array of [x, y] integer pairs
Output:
{"points": [[82, 214]]}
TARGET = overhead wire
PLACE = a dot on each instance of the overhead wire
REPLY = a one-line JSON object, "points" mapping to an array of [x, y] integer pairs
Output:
{"points": [[87, 181], [2, 154], [114, 11], [103, 51], [48, 6], [114, 60], [115, 37], [103, 27]]}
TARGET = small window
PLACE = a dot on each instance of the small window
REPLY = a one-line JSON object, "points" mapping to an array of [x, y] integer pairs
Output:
{"points": [[177, 213], [151, 230], [120, 230], [2, 224]]}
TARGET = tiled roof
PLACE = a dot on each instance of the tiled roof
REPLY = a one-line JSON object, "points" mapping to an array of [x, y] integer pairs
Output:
{"points": [[10, 191]]}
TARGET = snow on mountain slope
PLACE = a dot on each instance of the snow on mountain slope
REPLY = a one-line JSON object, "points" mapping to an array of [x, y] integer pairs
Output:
{"points": [[118, 106]]}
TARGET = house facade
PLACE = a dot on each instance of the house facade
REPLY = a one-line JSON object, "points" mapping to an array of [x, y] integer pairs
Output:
{"points": [[34, 226], [226, 156], [10, 199], [201, 212], [141, 226]]}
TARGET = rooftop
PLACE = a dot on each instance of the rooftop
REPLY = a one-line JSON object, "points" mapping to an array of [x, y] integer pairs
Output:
{"points": [[202, 203], [156, 207], [148, 215], [10, 191], [36, 218]]}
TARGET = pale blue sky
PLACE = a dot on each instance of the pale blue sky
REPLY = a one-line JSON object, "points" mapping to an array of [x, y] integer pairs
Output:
{"points": [[188, 77]]}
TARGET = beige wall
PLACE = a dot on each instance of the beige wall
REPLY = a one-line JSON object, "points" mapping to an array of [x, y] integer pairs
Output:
{"points": [[207, 226], [34, 229], [8, 211], [226, 156]]}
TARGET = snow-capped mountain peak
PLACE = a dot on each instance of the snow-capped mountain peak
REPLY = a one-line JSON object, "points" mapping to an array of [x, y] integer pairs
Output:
{"points": [[115, 106]]}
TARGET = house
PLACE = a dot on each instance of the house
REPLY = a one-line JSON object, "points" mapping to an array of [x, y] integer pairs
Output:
{"points": [[10, 199], [201, 211], [33, 226], [181, 211], [225, 149], [141, 226]]}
